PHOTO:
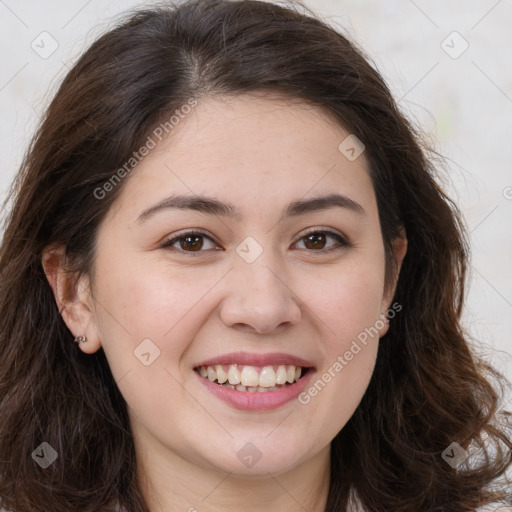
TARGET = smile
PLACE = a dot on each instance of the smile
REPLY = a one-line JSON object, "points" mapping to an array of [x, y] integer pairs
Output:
{"points": [[252, 379]]}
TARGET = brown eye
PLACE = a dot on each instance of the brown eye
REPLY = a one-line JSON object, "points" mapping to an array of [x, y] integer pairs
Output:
{"points": [[316, 241], [191, 242], [194, 242]]}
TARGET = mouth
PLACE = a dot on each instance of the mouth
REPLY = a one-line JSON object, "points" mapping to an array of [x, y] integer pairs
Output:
{"points": [[253, 379]]}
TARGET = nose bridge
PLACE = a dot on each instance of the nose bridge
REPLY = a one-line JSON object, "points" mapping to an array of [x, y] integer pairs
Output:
{"points": [[259, 297], [259, 276]]}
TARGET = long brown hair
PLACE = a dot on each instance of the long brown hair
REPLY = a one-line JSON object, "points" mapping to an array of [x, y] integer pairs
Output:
{"points": [[428, 388]]}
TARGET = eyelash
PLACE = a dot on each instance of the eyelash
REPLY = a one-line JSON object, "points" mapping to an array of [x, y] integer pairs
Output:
{"points": [[343, 242]]}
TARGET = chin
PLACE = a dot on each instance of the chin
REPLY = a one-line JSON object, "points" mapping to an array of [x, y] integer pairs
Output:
{"points": [[257, 456]]}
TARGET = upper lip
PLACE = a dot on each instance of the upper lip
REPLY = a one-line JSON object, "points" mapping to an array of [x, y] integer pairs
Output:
{"points": [[246, 358]]}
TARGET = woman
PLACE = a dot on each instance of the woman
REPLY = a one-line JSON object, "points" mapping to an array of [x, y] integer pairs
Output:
{"points": [[226, 212]]}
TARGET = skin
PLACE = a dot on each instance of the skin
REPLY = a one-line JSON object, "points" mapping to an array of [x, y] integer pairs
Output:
{"points": [[259, 153]]}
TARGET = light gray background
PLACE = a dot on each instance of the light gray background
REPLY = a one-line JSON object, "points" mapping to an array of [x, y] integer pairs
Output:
{"points": [[464, 105]]}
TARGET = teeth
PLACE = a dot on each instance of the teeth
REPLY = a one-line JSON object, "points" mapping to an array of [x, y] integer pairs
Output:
{"points": [[247, 378], [234, 375], [222, 376], [281, 375], [252, 389], [267, 377]]}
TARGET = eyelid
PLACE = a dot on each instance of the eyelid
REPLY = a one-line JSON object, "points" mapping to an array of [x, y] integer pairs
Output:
{"points": [[326, 230], [169, 242], [191, 231], [342, 240]]}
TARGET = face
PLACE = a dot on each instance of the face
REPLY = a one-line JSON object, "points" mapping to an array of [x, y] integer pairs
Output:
{"points": [[175, 289]]}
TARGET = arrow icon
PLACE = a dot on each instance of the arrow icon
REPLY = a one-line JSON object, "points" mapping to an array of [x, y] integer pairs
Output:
{"points": [[249, 455], [249, 253], [454, 45], [351, 147], [44, 455], [454, 455], [146, 352], [44, 44]]}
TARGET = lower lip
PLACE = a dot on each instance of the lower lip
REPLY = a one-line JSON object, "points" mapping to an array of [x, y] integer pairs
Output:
{"points": [[258, 400]]}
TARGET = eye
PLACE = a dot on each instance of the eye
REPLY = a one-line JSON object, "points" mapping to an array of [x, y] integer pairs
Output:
{"points": [[191, 242], [316, 239]]}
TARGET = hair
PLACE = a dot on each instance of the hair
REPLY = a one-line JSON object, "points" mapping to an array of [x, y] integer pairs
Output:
{"points": [[428, 388]]}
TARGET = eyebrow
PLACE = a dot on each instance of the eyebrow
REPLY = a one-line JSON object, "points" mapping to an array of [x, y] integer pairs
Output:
{"points": [[212, 206]]}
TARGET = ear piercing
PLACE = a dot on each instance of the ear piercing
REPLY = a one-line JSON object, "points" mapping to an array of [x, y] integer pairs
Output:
{"points": [[80, 339]]}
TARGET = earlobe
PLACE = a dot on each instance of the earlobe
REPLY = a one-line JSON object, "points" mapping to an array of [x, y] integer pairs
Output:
{"points": [[72, 297], [399, 252], [384, 320], [400, 249]]}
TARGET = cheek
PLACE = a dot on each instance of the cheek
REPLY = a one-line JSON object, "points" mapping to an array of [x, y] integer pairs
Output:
{"points": [[161, 307], [150, 301], [349, 305], [350, 338], [349, 301], [348, 311], [147, 298]]}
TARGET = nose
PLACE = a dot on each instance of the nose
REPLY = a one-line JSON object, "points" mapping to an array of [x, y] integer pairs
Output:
{"points": [[258, 298]]}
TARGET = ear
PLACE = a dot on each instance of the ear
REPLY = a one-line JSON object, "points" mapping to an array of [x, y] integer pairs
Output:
{"points": [[399, 251], [73, 298]]}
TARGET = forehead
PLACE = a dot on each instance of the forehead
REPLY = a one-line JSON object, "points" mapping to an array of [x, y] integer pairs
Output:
{"points": [[251, 149]]}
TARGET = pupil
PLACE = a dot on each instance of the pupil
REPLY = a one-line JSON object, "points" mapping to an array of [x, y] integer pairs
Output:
{"points": [[315, 239], [316, 236], [196, 237]]}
